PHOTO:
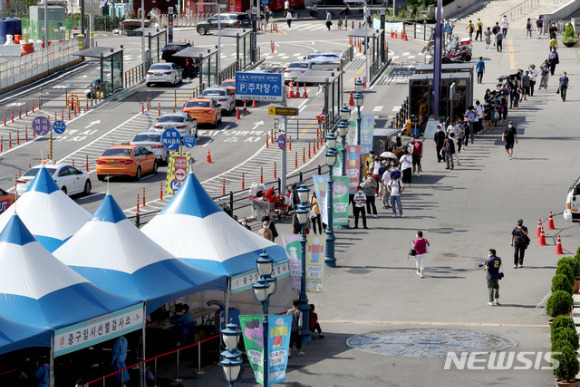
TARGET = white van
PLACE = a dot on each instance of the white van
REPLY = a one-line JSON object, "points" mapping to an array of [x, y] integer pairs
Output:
{"points": [[572, 211]]}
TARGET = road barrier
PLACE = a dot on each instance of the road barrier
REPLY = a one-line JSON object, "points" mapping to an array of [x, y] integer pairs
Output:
{"points": [[160, 190], [559, 250], [144, 197], [550, 222]]}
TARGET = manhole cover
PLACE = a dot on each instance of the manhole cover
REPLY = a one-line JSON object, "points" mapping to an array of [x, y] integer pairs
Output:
{"points": [[428, 342]]}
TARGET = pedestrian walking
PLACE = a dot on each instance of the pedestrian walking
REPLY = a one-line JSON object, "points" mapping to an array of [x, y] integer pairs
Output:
{"points": [[539, 26], [510, 137], [492, 267], [469, 118], [406, 162], [417, 154], [533, 78], [554, 59], [480, 68], [525, 84], [529, 28], [295, 328], [289, 18], [439, 138], [504, 26], [368, 16], [470, 28], [516, 97], [396, 188], [375, 170], [315, 217], [488, 37], [479, 33], [499, 41], [563, 86], [346, 10], [385, 179], [420, 245], [328, 20], [286, 6], [478, 117], [544, 74], [553, 31], [519, 241], [265, 232], [460, 130], [553, 43], [449, 149], [360, 201], [495, 30], [370, 187]]}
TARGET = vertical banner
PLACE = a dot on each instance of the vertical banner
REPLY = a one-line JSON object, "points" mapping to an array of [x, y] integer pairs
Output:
{"points": [[320, 187], [351, 135], [176, 172], [366, 133], [353, 165], [337, 168], [291, 243], [278, 343], [340, 201], [315, 247]]}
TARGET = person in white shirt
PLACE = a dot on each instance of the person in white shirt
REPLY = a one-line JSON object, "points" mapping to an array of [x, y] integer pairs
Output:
{"points": [[533, 75], [289, 19], [504, 26], [406, 167], [478, 121], [359, 200], [396, 187], [384, 181], [286, 6]]}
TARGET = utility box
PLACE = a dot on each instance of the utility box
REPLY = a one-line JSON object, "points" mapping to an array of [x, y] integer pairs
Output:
{"points": [[56, 23]]}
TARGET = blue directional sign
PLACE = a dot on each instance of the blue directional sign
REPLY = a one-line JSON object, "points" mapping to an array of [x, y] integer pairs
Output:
{"points": [[259, 86], [171, 138], [59, 127], [41, 125], [189, 140], [175, 184]]}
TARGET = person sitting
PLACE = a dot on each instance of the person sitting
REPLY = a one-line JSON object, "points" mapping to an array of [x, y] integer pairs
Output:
{"points": [[313, 322]]}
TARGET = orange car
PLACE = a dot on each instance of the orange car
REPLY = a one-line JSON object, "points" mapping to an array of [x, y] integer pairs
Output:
{"points": [[126, 160], [229, 84], [204, 110], [6, 200]]}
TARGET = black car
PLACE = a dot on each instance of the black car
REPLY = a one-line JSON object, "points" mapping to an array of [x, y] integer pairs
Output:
{"points": [[226, 20], [171, 48]]}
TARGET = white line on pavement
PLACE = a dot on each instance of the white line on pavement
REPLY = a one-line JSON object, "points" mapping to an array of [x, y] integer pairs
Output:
{"points": [[377, 108]]}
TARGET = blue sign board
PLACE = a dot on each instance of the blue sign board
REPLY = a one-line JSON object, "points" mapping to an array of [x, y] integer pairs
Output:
{"points": [[281, 142], [41, 125], [59, 127], [259, 86], [189, 140], [175, 184], [171, 138]]}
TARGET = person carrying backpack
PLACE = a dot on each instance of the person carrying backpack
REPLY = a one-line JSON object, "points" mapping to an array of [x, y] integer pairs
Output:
{"points": [[449, 149], [520, 242]]}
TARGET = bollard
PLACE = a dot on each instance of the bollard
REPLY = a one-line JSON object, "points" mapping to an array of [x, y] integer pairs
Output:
{"points": [[160, 190], [26, 109], [223, 187], [267, 141], [32, 103], [272, 134], [4, 118], [137, 210], [1, 144], [142, 108], [39, 108], [12, 115], [303, 155], [19, 112], [147, 104], [73, 162], [275, 177], [144, 205], [290, 143], [9, 140], [296, 160], [62, 114], [159, 110], [261, 175], [87, 163], [26, 133], [87, 107], [199, 371], [19, 173], [69, 115], [243, 181], [309, 156], [17, 136], [55, 117]]}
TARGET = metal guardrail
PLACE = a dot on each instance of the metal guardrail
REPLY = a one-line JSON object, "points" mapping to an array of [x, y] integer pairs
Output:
{"points": [[136, 74], [348, 55], [522, 9], [421, 31], [401, 117], [227, 73]]}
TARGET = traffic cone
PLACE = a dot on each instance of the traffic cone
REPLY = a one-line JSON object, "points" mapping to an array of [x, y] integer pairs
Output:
{"points": [[351, 100], [350, 41], [291, 91], [396, 37], [208, 158], [254, 103], [558, 246], [539, 228], [304, 95], [542, 241], [245, 109], [297, 95], [238, 113], [550, 223], [405, 38], [392, 34]]}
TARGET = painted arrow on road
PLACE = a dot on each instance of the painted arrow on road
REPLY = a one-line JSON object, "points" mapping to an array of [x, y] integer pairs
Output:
{"points": [[97, 122], [258, 124]]}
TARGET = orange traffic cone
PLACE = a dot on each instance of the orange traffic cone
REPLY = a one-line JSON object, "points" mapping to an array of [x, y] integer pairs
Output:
{"points": [[392, 34], [291, 90], [351, 100], [558, 247], [405, 38], [542, 241], [238, 113], [254, 103], [304, 95], [297, 95], [245, 109], [550, 223], [208, 158], [396, 37], [539, 228]]}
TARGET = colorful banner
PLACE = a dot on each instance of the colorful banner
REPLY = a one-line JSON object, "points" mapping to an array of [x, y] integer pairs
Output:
{"points": [[320, 187], [351, 135], [339, 199], [353, 166], [337, 168], [176, 172], [291, 243], [366, 133], [315, 248], [278, 343]]}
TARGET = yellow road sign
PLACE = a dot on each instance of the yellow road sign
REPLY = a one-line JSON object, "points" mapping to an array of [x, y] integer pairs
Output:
{"points": [[282, 111]]}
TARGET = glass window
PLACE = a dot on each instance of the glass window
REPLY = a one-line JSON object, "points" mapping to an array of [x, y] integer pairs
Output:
{"points": [[298, 65], [160, 67], [34, 171], [172, 118], [195, 104], [149, 137], [213, 92], [121, 152]]}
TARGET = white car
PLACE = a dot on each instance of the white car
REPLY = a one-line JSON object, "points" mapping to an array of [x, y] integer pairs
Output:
{"points": [[164, 73], [68, 178], [222, 96], [183, 122], [296, 70], [151, 140]]}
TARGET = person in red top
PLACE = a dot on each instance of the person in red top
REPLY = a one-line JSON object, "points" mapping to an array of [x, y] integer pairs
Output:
{"points": [[417, 154], [313, 322], [420, 246]]}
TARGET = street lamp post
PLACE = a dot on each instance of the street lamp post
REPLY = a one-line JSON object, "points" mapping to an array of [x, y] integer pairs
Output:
{"points": [[302, 214], [359, 99], [329, 258], [231, 358], [343, 126], [263, 289]]}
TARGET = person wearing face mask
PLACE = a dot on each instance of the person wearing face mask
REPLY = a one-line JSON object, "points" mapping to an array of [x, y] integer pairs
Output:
{"points": [[510, 137], [439, 138], [395, 188], [245, 224], [369, 187], [563, 86], [265, 232], [492, 267], [390, 167], [420, 246], [359, 200], [519, 242]]}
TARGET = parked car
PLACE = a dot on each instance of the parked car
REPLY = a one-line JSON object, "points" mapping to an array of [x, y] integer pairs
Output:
{"points": [[164, 73], [126, 160], [151, 140], [226, 20], [225, 98], [171, 48], [572, 210], [68, 178], [183, 122], [204, 110], [304, 68], [6, 200]]}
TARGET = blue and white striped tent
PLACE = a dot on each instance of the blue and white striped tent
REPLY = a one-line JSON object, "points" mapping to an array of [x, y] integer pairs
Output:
{"points": [[48, 213], [193, 228], [39, 290], [15, 336], [114, 254]]}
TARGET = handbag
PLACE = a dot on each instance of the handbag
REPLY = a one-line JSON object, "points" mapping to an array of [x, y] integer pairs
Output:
{"points": [[412, 252]]}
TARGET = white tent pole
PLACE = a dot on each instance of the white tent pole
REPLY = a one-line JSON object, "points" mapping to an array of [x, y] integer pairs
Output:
{"points": [[51, 374]]}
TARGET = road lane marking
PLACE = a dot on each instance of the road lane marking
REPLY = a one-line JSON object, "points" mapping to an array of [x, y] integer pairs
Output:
{"points": [[377, 108], [438, 323]]}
